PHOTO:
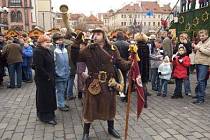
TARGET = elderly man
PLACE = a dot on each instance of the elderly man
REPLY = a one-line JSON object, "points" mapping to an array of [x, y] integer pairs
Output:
{"points": [[202, 61]]}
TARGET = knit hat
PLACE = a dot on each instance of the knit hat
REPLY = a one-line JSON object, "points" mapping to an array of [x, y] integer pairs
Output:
{"points": [[43, 38], [57, 36]]}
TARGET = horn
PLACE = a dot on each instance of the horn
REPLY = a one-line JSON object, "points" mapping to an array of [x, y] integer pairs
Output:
{"points": [[64, 9]]}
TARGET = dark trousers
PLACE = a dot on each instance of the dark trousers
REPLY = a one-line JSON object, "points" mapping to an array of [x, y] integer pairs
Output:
{"points": [[15, 72], [1, 74], [27, 73], [155, 80], [178, 88]]}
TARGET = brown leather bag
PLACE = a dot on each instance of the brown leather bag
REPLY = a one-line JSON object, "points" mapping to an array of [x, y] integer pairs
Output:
{"points": [[94, 88]]}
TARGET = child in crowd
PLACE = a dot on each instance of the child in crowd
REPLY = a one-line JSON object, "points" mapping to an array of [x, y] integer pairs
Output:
{"points": [[181, 63], [156, 58], [164, 71]]}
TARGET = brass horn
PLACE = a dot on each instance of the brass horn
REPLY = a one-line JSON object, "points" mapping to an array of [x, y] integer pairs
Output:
{"points": [[64, 9]]}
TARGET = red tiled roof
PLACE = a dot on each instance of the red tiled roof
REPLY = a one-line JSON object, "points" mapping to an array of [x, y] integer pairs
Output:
{"points": [[93, 20], [130, 8], [76, 16], [155, 7], [144, 7]]}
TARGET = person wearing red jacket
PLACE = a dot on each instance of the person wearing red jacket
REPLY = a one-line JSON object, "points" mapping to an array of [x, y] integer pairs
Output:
{"points": [[181, 62]]}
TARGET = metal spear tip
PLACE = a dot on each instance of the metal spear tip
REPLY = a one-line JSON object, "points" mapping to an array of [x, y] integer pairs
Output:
{"points": [[64, 8]]}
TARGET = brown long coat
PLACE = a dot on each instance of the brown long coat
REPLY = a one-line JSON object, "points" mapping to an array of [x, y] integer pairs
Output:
{"points": [[103, 105]]}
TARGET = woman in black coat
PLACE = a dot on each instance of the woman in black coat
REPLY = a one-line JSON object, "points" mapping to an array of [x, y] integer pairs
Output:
{"points": [[143, 53], [43, 64]]}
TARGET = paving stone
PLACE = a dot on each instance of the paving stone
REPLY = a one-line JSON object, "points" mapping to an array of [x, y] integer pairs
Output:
{"points": [[3, 125], [197, 135], [158, 137], [17, 136], [150, 131], [180, 137], [172, 131], [28, 137], [164, 118], [165, 134]]}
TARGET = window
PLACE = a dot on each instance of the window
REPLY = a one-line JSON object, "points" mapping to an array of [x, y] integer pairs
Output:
{"points": [[13, 16], [122, 23], [122, 16], [25, 3], [15, 3], [19, 16], [158, 23], [130, 16], [149, 23], [3, 3], [153, 23], [158, 16]]}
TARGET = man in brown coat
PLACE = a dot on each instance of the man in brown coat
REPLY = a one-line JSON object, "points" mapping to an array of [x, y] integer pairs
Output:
{"points": [[100, 58], [13, 54]]}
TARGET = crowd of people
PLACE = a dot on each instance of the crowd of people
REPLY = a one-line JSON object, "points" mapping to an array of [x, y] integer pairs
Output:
{"points": [[57, 59]]}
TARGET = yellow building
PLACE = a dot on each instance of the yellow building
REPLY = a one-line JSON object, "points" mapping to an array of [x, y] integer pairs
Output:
{"points": [[44, 14]]}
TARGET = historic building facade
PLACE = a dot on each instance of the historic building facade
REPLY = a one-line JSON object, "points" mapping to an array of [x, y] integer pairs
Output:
{"points": [[144, 14], [19, 16]]}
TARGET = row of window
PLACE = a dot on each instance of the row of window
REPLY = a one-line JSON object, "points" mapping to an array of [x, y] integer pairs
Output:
{"points": [[138, 23], [16, 16], [16, 2], [138, 16]]}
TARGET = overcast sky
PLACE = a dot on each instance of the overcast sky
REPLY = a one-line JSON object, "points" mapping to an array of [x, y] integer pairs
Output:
{"points": [[97, 6]]}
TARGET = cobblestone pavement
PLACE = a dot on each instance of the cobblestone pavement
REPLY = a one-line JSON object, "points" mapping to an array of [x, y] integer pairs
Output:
{"points": [[165, 118]]}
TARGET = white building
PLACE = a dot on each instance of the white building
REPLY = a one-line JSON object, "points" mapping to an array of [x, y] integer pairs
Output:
{"points": [[136, 14]]}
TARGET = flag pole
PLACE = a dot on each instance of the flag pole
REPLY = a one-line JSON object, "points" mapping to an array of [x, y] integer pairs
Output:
{"points": [[128, 105]]}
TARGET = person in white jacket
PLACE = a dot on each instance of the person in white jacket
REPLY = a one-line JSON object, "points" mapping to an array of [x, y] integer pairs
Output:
{"points": [[164, 71]]}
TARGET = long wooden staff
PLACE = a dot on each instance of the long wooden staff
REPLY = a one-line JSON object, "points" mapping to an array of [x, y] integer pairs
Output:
{"points": [[128, 105]]}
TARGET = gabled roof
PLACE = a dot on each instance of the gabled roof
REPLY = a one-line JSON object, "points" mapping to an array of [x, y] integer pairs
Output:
{"points": [[144, 6], [155, 7], [76, 16], [130, 8], [93, 20]]}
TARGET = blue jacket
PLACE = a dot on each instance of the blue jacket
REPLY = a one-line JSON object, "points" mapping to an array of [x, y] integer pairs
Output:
{"points": [[27, 53], [61, 59]]}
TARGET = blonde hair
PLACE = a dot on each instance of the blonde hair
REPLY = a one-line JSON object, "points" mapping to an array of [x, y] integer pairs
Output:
{"points": [[141, 37], [203, 31]]}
